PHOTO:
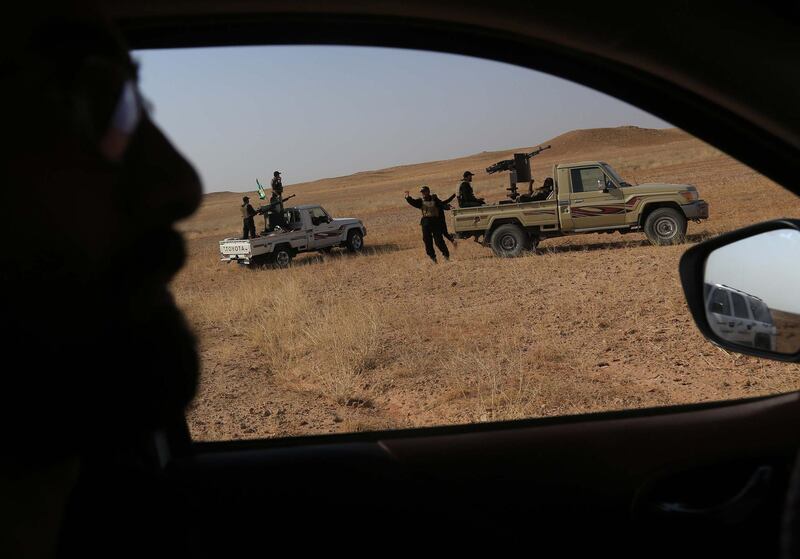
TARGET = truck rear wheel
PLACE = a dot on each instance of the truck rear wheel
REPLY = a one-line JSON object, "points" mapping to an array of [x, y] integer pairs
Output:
{"points": [[281, 257], [258, 261], [355, 240], [762, 342], [509, 240], [665, 226]]}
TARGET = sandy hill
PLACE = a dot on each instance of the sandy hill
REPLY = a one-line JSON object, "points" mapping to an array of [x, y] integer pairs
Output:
{"points": [[572, 145], [619, 137], [576, 144]]}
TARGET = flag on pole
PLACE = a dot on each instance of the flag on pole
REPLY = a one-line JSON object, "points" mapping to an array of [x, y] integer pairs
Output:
{"points": [[261, 193]]}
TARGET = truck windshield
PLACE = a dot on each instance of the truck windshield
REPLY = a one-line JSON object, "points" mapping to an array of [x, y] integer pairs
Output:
{"points": [[614, 175], [760, 311]]}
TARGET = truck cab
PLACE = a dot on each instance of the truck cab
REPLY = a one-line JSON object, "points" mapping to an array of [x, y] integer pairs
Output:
{"points": [[593, 197]]}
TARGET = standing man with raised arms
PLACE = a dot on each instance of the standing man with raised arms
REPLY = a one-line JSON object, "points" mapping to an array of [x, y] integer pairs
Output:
{"points": [[432, 209]]}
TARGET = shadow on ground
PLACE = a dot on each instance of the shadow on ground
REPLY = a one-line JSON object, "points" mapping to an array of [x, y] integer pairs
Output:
{"points": [[695, 238], [309, 258]]}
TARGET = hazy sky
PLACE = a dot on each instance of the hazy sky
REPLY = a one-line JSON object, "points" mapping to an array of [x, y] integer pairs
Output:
{"points": [[766, 265], [313, 112]]}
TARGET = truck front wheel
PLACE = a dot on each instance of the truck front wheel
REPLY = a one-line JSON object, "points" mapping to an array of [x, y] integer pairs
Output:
{"points": [[665, 226], [355, 241], [509, 240]]}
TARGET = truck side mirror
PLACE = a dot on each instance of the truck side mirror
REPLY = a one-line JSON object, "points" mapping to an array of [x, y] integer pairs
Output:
{"points": [[759, 264]]}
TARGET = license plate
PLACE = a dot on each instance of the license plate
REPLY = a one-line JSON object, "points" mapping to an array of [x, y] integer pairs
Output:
{"points": [[236, 249]]}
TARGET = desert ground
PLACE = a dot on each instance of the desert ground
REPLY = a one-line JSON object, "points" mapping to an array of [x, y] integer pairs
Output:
{"points": [[788, 325], [385, 339]]}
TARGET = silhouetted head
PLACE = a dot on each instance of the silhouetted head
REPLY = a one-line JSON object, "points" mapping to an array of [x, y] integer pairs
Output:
{"points": [[102, 349]]}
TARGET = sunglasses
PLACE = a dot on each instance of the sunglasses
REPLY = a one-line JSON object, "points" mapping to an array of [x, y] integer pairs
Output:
{"points": [[109, 105]]}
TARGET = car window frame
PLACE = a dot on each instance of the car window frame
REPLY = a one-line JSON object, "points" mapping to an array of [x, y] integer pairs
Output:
{"points": [[615, 77]]}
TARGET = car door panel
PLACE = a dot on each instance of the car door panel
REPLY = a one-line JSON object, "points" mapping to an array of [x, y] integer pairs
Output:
{"points": [[326, 232], [609, 470], [592, 206]]}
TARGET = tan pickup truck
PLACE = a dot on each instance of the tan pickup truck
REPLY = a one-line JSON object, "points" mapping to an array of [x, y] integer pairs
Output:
{"points": [[587, 197]]}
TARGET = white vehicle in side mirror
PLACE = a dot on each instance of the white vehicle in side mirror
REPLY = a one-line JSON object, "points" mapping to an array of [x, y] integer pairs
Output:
{"points": [[739, 317]]}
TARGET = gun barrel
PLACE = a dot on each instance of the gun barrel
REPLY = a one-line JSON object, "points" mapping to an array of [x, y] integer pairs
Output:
{"points": [[505, 165], [539, 150]]}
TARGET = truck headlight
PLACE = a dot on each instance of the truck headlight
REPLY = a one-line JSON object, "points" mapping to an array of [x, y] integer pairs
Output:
{"points": [[690, 195]]}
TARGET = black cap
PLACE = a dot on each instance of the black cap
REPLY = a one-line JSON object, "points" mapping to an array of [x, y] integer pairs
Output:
{"points": [[245, 198], [276, 173], [425, 188], [468, 173]]}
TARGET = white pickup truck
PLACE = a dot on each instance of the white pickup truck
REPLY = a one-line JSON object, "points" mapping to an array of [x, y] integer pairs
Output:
{"points": [[310, 228]]}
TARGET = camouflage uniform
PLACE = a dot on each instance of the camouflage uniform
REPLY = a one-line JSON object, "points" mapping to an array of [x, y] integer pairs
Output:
{"points": [[432, 212]]}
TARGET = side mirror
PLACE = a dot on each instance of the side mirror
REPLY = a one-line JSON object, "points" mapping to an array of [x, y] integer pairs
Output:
{"points": [[758, 268]]}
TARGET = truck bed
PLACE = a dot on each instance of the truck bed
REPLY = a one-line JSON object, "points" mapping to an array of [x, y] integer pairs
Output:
{"points": [[243, 250], [236, 245], [543, 213]]}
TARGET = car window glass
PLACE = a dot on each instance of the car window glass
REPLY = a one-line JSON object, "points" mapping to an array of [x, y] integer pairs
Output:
{"points": [[739, 306], [719, 302], [614, 174], [360, 330], [760, 311], [588, 179]]}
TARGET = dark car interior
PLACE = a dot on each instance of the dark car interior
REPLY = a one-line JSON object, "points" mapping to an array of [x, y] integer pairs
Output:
{"points": [[705, 479]]}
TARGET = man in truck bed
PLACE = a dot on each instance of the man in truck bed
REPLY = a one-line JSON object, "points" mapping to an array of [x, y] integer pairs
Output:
{"points": [[466, 197], [248, 224]]}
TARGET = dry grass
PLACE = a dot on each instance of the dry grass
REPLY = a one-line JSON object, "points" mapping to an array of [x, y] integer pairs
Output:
{"points": [[385, 339]]}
